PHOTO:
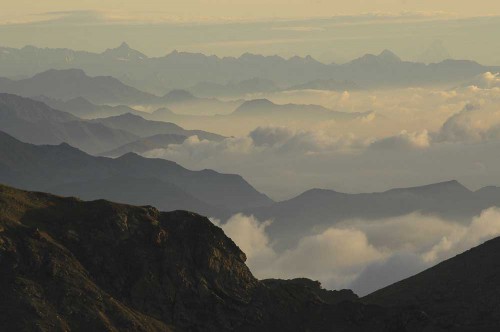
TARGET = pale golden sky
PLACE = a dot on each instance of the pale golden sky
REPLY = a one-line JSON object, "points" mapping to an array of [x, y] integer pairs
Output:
{"points": [[199, 9], [329, 30]]}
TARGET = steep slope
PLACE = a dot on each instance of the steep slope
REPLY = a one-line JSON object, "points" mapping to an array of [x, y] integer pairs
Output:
{"points": [[72, 83], [141, 127], [48, 167], [100, 266], [84, 109], [460, 294], [137, 191], [81, 266], [35, 122], [124, 53]]}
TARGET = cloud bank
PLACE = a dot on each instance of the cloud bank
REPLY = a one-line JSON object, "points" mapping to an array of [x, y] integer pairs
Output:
{"points": [[358, 254], [413, 136]]}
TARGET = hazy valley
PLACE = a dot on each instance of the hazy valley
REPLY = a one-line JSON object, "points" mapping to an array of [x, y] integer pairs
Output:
{"points": [[198, 192]]}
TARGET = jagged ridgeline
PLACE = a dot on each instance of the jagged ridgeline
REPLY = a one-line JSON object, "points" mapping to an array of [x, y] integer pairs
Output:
{"points": [[100, 266], [70, 265]]}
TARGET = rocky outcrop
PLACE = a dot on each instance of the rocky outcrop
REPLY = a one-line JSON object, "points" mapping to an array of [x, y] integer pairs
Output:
{"points": [[69, 265]]}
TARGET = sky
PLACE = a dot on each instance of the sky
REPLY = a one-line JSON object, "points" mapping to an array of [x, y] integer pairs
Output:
{"points": [[195, 9], [330, 31]]}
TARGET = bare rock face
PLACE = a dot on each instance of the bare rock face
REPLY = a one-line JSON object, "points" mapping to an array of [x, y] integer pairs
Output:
{"points": [[174, 267], [69, 265]]}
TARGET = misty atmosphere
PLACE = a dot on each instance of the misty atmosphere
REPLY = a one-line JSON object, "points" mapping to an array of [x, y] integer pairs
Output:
{"points": [[250, 166]]}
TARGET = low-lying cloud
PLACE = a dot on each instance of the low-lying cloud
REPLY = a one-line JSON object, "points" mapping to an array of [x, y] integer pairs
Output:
{"points": [[425, 135], [358, 254]]}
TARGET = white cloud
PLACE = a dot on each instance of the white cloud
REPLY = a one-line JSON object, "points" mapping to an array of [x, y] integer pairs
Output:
{"points": [[486, 80], [250, 235], [426, 135], [474, 123], [483, 227], [405, 140], [364, 255], [270, 136]]}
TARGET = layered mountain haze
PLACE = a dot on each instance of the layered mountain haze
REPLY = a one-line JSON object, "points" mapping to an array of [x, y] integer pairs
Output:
{"points": [[144, 145], [320, 209], [35, 122], [234, 89], [235, 169], [141, 127], [184, 70], [73, 83], [65, 169], [266, 109], [84, 109], [253, 113], [183, 102]]}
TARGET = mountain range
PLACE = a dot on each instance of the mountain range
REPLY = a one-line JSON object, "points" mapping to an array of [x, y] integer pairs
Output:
{"points": [[181, 70], [72, 90], [35, 122], [73, 265], [320, 209], [129, 179], [141, 127], [253, 113], [84, 109], [73, 83]]}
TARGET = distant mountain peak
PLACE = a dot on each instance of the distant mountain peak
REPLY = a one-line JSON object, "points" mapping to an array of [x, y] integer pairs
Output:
{"points": [[259, 102], [451, 186], [130, 156], [179, 96], [389, 56], [255, 106], [124, 52], [127, 115], [163, 110], [124, 45], [385, 57], [68, 73]]}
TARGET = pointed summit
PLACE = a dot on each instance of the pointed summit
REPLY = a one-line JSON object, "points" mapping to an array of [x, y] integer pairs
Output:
{"points": [[389, 56], [386, 57], [124, 45], [178, 96], [124, 52]]}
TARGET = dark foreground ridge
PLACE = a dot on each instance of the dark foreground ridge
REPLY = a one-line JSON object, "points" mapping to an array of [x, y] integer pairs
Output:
{"points": [[69, 265], [100, 266]]}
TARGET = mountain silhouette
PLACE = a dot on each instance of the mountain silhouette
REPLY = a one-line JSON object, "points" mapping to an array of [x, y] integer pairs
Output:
{"points": [[182, 70], [64, 169], [73, 83], [34, 122], [319, 208]]}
